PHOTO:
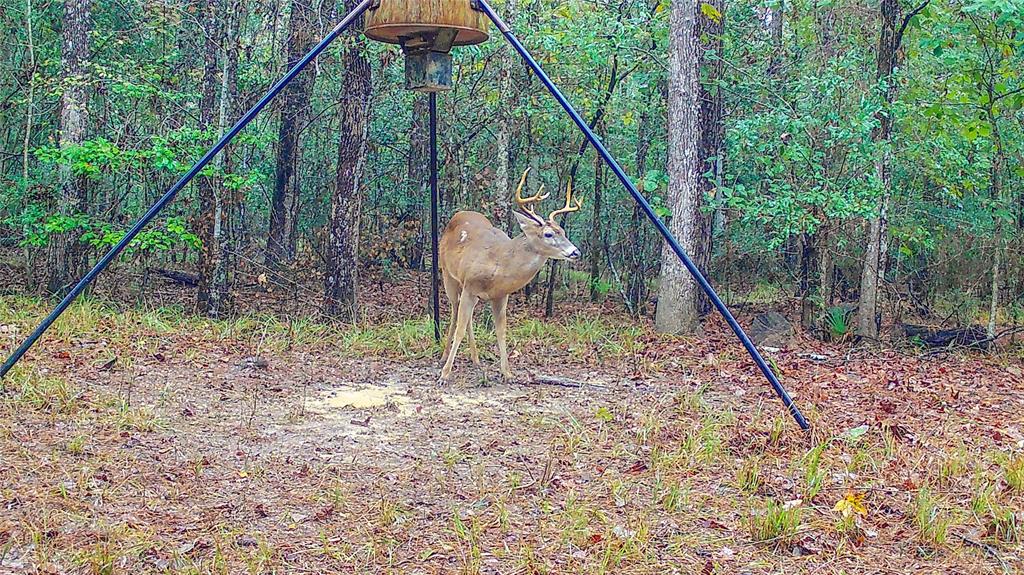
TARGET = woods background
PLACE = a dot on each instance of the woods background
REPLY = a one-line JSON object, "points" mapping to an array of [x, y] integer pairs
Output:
{"points": [[840, 152]]}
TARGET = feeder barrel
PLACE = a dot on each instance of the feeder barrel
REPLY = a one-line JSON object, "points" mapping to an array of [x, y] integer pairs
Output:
{"points": [[396, 21]]}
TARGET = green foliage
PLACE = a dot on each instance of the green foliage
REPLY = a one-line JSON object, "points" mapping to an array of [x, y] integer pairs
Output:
{"points": [[800, 154], [836, 322]]}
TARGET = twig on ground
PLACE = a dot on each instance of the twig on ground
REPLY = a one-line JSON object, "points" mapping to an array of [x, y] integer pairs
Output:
{"points": [[541, 379], [990, 550]]}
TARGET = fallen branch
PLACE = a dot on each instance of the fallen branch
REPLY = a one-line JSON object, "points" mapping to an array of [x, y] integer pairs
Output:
{"points": [[186, 279], [561, 381]]}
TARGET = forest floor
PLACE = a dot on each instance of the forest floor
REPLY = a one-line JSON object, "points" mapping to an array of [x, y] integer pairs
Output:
{"points": [[138, 440]]}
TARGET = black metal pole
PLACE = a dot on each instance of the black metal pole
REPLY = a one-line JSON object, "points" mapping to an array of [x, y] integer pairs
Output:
{"points": [[434, 200], [171, 193], [483, 6]]}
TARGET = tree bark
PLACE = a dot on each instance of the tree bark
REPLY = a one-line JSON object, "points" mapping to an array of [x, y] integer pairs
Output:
{"points": [[677, 310], [342, 277], [211, 299], [712, 133], [285, 201], [66, 258]]}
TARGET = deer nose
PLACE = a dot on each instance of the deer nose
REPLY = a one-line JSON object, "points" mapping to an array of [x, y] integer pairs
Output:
{"points": [[575, 254]]}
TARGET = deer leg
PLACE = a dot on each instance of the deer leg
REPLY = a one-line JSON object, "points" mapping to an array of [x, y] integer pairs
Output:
{"points": [[466, 304], [473, 353], [454, 291], [499, 307]]}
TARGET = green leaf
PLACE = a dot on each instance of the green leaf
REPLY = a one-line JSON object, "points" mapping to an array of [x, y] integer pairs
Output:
{"points": [[710, 12]]}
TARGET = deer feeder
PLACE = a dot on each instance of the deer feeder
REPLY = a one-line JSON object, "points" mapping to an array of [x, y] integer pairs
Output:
{"points": [[426, 30]]}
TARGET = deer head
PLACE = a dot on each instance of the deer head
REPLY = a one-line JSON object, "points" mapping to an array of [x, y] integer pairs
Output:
{"points": [[546, 237]]}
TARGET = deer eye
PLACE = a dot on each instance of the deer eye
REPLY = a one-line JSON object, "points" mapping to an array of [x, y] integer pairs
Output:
{"points": [[549, 235]]}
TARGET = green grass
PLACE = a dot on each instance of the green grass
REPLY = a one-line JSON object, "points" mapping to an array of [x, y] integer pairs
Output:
{"points": [[1013, 471], [35, 389], [774, 523], [932, 521], [140, 330]]}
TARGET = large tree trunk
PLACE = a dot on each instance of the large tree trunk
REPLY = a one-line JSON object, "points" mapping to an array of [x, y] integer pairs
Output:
{"points": [[504, 127], [211, 298], [875, 252], [286, 198], [232, 200], [65, 255], [677, 310], [341, 284]]}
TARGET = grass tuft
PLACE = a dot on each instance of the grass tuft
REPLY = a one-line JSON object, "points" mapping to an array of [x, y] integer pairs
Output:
{"points": [[932, 522], [774, 523]]}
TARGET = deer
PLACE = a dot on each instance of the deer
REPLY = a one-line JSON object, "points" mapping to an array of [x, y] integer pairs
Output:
{"points": [[480, 262]]}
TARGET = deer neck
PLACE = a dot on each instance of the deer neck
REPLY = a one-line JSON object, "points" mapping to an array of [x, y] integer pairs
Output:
{"points": [[522, 264]]}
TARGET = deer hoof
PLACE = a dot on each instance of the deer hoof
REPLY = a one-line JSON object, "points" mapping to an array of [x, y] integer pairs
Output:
{"points": [[444, 380], [506, 378]]}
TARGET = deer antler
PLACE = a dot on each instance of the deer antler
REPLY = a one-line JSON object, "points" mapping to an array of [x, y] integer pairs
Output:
{"points": [[569, 208], [526, 204]]}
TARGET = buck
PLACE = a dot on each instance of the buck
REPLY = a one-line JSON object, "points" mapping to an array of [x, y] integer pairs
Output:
{"points": [[481, 263]]}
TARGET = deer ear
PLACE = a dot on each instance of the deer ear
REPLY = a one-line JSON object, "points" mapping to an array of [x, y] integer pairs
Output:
{"points": [[525, 221]]}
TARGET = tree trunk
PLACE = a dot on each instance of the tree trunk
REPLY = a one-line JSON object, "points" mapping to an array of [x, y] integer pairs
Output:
{"points": [[418, 168], [294, 115], [232, 200], [773, 20], [712, 132], [876, 251], [677, 310], [503, 137], [211, 297], [597, 224], [342, 278], [65, 254], [996, 174], [636, 291]]}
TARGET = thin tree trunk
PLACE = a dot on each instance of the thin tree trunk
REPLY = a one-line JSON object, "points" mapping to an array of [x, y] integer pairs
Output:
{"points": [[211, 300], [418, 167], [876, 251], [594, 123], [65, 254], [30, 264], [712, 132], [294, 115], [996, 171], [596, 226], [993, 309], [773, 23], [341, 282], [677, 310]]}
